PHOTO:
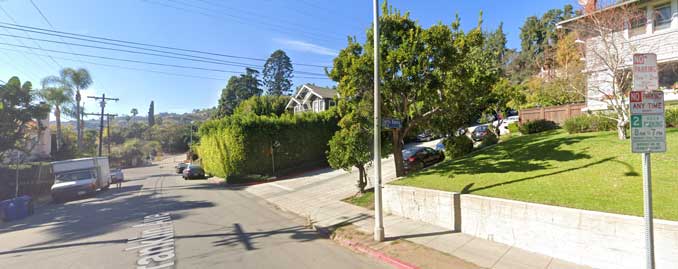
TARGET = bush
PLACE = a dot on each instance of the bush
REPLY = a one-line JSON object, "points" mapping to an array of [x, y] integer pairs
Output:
{"points": [[514, 128], [458, 146], [537, 126], [589, 123], [672, 117], [489, 140], [245, 145]]}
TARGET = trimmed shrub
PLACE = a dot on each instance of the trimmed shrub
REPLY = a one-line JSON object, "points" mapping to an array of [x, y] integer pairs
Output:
{"points": [[672, 117], [589, 123], [489, 140], [247, 145], [537, 126], [458, 146], [514, 128]]}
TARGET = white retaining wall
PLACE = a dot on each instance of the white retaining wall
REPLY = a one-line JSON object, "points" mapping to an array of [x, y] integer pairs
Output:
{"points": [[596, 239]]}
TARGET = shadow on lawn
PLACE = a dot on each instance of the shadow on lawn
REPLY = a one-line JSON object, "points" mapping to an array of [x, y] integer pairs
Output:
{"points": [[521, 154], [469, 188]]}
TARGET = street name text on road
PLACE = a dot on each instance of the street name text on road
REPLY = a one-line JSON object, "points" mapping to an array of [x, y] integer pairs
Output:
{"points": [[156, 244]]}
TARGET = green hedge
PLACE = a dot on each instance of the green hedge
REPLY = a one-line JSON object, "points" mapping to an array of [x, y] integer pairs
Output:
{"points": [[537, 126], [240, 145], [672, 117], [458, 146], [489, 140], [589, 123]]}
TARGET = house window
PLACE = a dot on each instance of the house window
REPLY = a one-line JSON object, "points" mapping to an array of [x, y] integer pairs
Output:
{"points": [[662, 17], [638, 25]]}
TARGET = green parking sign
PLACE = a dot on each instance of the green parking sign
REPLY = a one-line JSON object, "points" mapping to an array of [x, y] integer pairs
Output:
{"points": [[637, 121]]}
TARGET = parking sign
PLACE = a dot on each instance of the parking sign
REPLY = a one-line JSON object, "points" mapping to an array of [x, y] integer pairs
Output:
{"points": [[648, 127]]}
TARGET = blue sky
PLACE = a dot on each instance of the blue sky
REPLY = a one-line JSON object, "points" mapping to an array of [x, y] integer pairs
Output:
{"points": [[310, 31]]}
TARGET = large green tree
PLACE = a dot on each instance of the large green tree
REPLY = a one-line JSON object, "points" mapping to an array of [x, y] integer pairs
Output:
{"points": [[78, 79], [56, 94], [430, 78], [238, 89], [19, 107], [277, 74]]}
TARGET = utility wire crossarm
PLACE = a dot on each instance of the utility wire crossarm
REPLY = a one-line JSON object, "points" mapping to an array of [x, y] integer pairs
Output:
{"points": [[102, 102]]}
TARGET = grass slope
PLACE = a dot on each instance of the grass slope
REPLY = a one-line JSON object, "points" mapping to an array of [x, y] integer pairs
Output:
{"points": [[593, 171]]}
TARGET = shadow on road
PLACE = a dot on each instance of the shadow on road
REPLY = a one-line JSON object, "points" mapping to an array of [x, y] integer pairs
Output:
{"points": [[95, 216]]}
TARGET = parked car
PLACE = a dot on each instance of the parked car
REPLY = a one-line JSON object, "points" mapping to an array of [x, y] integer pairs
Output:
{"points": [[117, 176], [503, 128], [419, 157], [193, 171], [180, 167], [425, 136], [480, 132]]}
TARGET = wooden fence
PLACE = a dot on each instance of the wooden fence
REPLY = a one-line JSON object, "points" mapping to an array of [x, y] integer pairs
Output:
{"points": [[557, 114], [34, 180]]}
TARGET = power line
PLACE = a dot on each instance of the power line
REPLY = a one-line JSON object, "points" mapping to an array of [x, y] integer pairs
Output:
{"points": [[96, 39], [245, 21], [46, 20], [149, 70], [20, 41], [137, 52]]}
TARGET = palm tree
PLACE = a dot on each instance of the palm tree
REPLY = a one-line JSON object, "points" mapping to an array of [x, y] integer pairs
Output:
{"points": [[56, 94], [134, 112], [80, 80]]}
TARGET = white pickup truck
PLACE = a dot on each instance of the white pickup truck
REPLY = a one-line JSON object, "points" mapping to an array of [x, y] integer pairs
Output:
{"points": [[79, 177]]}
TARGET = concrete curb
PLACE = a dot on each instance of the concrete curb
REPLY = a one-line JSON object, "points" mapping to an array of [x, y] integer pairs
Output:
{"points": [[374, 254]]}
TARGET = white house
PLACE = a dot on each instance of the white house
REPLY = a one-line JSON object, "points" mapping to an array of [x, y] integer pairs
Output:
{"points": [[653, 30], [312, 98]]}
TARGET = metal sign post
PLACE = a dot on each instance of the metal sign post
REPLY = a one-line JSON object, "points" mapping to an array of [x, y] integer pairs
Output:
{"points": [[648, 132], [378, 220]]}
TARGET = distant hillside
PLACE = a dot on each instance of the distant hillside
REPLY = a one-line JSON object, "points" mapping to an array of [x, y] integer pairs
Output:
{"points": [[92, 122]]}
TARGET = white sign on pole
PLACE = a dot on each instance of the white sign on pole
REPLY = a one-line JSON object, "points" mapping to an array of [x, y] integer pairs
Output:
{"points": [[645, 76], [648, 127]]}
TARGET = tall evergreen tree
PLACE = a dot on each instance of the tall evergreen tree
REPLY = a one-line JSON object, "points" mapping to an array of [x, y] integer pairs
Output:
{"points": [[277, 74], [238, 89], [151, 114]]}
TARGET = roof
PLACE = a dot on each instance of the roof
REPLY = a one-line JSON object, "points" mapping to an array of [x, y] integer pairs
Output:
{"points": [[598, 11], [323, 92]]}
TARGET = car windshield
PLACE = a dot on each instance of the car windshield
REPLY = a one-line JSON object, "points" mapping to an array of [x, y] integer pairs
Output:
{"points": [[481, 128], [407, 153], [74, 176]]}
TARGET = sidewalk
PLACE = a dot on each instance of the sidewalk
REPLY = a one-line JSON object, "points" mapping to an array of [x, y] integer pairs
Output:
{"points": [[318, 195]]}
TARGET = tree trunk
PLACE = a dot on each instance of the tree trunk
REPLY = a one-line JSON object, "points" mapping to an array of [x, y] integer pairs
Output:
{"points": [[78, 127], [57, 116], [397, 152], [621, 129], [362, 178]]}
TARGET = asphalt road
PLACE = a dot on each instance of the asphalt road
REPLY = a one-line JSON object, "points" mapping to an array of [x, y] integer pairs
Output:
{"points": [[207, 226]]}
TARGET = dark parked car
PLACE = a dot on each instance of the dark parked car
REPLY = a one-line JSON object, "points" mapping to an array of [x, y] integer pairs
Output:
{"points": [[117, 176], [480, 132], [193, 171], [180, 167], [419, 157]]}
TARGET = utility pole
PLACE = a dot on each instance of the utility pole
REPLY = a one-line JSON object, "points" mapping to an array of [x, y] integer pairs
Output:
{"points": [[108, 130], [102, 103], [378, 217]]}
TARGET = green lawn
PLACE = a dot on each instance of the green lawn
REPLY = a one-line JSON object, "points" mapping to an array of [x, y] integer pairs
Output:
{"points": [[365, 200], [594, 171]]}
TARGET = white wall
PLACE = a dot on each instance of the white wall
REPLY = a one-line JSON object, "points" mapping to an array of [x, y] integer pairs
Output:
{"points": [[596, 239]]}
